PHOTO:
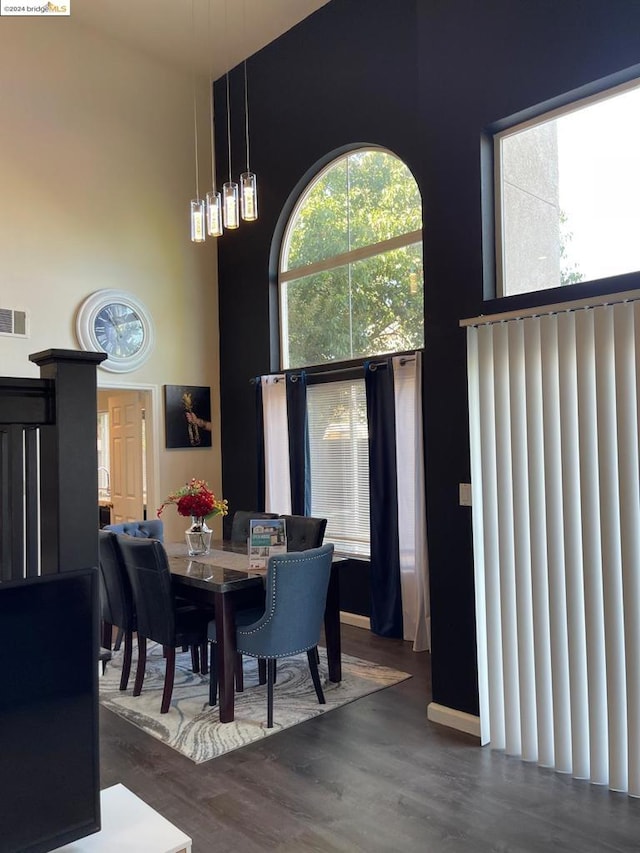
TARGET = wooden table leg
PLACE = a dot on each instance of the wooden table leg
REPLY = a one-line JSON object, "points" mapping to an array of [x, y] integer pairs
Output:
{"points": [[332, 626], [225, 654]]}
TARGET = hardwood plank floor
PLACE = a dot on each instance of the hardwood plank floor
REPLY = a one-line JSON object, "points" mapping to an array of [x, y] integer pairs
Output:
{"points": [[372, 776]]}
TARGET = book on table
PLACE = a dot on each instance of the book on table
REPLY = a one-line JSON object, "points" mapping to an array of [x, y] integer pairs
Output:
{"points": [[267, 536]]}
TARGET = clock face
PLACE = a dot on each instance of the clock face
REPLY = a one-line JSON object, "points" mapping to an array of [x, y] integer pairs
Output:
{"points": [[119, 330], [117, 323]]}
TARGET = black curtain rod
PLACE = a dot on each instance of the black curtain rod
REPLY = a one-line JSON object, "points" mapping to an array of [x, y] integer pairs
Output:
{"points": [[374, 365]]}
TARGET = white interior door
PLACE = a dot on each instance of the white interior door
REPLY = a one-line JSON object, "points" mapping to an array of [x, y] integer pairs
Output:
{"points": [[126, 449]]}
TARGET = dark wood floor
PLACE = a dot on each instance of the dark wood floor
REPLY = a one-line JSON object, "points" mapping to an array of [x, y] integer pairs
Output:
{"points": [[371, 776]]}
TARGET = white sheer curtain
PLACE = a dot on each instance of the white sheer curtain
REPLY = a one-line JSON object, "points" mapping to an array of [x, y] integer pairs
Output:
{"points": [[277, 478], [554, 419], [412, 529]]}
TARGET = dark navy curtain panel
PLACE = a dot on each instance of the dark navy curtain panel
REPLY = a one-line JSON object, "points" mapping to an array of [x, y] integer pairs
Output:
{"points": [[386, 596], [299, 459], [260, 446]]}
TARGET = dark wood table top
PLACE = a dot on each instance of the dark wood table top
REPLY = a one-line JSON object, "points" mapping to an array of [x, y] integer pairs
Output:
{"points": [[223, 569]]}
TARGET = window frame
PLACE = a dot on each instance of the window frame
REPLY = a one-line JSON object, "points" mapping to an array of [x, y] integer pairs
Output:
{"points": [[503, 131]]}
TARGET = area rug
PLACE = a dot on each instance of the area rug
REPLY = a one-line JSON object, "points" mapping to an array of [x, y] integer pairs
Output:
{"points": [[192, 727]]}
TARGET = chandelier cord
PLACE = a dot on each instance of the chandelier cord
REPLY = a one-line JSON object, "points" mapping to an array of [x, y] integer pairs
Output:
{"points": [[195, 136], [246, 112], [211, 110], [229, 127], [195, 109]]}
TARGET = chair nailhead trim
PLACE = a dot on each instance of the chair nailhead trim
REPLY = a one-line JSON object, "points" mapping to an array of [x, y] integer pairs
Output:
{"points": [[273, 657]]}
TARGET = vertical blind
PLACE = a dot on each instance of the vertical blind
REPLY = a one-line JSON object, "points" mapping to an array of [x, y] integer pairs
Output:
{"points": [[554, 415]]}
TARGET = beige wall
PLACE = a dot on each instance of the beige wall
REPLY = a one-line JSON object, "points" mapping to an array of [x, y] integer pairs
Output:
{"points": [[96, 173]]}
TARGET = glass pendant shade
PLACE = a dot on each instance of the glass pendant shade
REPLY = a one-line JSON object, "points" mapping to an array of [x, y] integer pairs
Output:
{"points": [[248, 196], [230, 205], [197, 220], [214, 214]]}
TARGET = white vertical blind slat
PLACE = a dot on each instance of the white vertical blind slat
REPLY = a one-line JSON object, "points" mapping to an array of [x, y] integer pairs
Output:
{"points": [[592, 548], [611, 552], [576, 631], [538, 539], [522, 542], [555, 544], [473, 370], [628, 467], [506, 545], [490, 538]]}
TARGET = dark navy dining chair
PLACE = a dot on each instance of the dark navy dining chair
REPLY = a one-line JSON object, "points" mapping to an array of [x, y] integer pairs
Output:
{"points": [[159, 615], [240, 524], [150, 528], [304, 531], [116, 599], [296, 595]]}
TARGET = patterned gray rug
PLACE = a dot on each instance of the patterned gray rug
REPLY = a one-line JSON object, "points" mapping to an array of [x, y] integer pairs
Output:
{"points": [[192, 727]]}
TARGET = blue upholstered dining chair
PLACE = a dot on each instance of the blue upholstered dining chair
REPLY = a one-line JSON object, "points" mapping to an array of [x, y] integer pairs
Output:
{"points": [[303, 532], [159, 616], [151, 528], [296, 595]]}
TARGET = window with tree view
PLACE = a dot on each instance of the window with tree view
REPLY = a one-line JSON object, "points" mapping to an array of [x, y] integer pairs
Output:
{"points": [[568, 185], [351, 277]]}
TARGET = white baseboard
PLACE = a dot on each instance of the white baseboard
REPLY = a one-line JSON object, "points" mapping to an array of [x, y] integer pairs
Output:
{"points": [[356, 620], [459, 720]]}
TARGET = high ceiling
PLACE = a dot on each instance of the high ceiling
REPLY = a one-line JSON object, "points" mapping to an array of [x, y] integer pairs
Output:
{"points": [[225, 31]]}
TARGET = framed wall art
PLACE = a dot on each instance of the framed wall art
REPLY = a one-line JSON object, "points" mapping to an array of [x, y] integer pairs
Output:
{"points": [[187, 416]]}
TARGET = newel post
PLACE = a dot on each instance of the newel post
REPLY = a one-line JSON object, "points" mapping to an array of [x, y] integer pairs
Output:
{"points": [[69, 462]]}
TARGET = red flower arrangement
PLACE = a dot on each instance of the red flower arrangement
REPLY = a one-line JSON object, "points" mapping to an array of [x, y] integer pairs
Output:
{"points": [[197, 499]]}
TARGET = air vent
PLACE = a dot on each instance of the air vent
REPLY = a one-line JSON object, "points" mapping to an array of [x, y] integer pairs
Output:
{"points": [[13, 322]]}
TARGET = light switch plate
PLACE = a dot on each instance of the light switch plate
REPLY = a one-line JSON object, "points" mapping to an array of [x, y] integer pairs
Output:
{"points": [[465, 494]]}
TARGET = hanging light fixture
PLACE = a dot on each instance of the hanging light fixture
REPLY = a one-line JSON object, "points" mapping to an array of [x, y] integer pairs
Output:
{"points": [[214, 199], [197, 208], [197, 203], [230, 206], [248, 182]]}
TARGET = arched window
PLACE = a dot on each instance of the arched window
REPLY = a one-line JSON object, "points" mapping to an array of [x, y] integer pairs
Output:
{"points": [[351, 277]]}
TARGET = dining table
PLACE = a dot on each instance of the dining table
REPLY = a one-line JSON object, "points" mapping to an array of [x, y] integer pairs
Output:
{"points": [[224, 578]]}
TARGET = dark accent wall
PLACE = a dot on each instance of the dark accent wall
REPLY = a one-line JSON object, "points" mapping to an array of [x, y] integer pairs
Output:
{"points": [[424, 78]]}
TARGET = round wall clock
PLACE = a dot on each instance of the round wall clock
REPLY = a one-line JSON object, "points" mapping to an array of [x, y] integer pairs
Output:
{"points": [[117, 323]]}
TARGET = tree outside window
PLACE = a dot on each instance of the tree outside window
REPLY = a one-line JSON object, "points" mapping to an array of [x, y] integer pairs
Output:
{"points": [[351, 278]]}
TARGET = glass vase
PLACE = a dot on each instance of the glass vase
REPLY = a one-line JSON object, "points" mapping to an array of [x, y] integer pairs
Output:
{"points": [[198, 537]]}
